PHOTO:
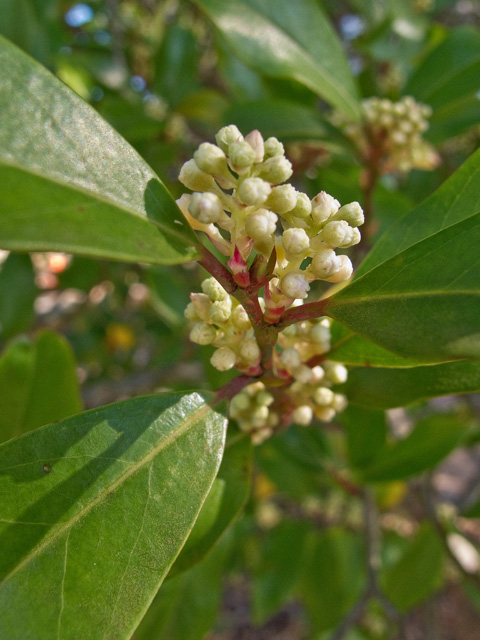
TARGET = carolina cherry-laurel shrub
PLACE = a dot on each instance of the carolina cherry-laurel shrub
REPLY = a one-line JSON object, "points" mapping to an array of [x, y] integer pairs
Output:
{"points": [[277, 239]]}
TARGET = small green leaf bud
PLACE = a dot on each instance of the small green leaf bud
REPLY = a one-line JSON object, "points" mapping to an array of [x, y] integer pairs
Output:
{"points": [[325, 263], [323, 396], [223, 359], [303, 206], [261, 225], [303, 415], [352, 213], [344, 272], [273, 147], [240, 318], [210, 159], [295, 285], [282, 198], [253, 191], [240, 155], [255, 140], [227, 135], [249, 350], [276, 170], [202, 333], [214, 289], [195, 179], [295, 241], [290, 359], [206, 207], [324, 206], [220, 310], [335, 372]]}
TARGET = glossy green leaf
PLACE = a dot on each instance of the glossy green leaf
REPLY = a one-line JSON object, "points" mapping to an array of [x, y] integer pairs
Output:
{"points": [[69, 182], [366, 432], [224, 503], [94, 510], [423, 303], [17, 295], [38, 384], [387, 388], [430, 441], [288, 40], [186, 607], [457, 199], [418, 573]]}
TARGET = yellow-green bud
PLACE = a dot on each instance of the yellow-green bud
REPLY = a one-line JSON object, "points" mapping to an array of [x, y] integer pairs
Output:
{"points": [[227, 135], [195, 179], [303, 415], [202, 333], [352, 213], [303, 206], [249, 350], [325, 263], [223, 359], [261, 225], [295, 241], [214, 290], [253, 191], [282, 198], [275, 170], [295, 285], [337, 233], [273, 147], [324, 206], [210, 159], [290, 359], [335, 372], [323, 396], [206, 207], [240, 155], [240, 318], [220, 310]]}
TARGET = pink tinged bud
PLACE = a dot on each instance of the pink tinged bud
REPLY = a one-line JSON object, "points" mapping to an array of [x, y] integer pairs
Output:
{"points": [[201, 304], [255, 140], [323, 206], [239, 268], [295, 285]]}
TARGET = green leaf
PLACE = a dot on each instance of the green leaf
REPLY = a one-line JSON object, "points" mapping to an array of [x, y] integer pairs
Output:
{"points": [[366, 431], [425, 302], [418, 573], [94, 510], [17, 295], [224, 503], [387, 388], [186, 607], [430, 441], [69, 182], [288, 40], [38, 384], [457, 199]]}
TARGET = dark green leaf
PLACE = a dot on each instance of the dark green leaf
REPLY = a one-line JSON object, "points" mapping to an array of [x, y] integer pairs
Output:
{"points": [[38, 384], [425, 302], [418, 573], [288, 40], [225, 501], [430, 441], [387, 388], [94, 510], [17, 295], [69, 182], [366, 431]]}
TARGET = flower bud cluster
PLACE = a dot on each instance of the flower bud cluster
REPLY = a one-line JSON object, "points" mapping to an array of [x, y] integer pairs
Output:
{"points": [[394, 130], [218, 319], [251, 408], [238, 200]]}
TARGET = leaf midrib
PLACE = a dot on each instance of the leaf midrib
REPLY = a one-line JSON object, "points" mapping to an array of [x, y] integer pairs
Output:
{"points": [[406, 294]]}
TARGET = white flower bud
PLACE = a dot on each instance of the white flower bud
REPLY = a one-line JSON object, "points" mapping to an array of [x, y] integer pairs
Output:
{"points": [[259, 416], [249, 350], [295, 241], [335, 372], [324, 206], [240, 318], [337, 233], [273, 147], [276, 170], [290, 359], [326, 414], [195, 179], [253, 191], [240, 155], [319, 334], [352, 213], [317, 374], [261, 225], [303, 374], [210, 159], [223, 359], [323, 396], [325, 263], [295, 285], [282, 198], [257, 438], [255, 140], [220, 310], [344, 272], [202, 333], [339, 402], [190, 313], [303, 415], [202, 305], [227, 135], [303, 206], [206, 207], [213, 289]]}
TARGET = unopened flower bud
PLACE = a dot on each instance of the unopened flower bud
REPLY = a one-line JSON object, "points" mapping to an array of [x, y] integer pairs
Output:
{"points": [[303, 415], [303, 206], [273, 147], [223, 359], [202, 333], [240, 318], [324, 206], [338, 233], [295, 285], [195, 179], [253, 191], [319, 334], [220, 310], [317, 374], [282, 198], [339, 402], [210, 159], [213, 289], [264, 398], [290, 359], [190, 313], [276, 170], [240, 402], [326, 414], [201, 304], [325, 263], [295, 241], [344, 272], [261, 225], [255, 140], [302, 373], [323, 396], [249, 350], [206, 207], [352, 213], [335, 372], [227, 135], [240, 155]]}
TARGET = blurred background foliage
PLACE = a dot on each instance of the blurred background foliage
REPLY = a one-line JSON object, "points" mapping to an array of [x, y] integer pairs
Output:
{"points": [[363, 529]]}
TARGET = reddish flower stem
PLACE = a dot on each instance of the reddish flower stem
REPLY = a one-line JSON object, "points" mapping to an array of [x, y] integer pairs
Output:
{"points": [[231, 388], [305, 312]]}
